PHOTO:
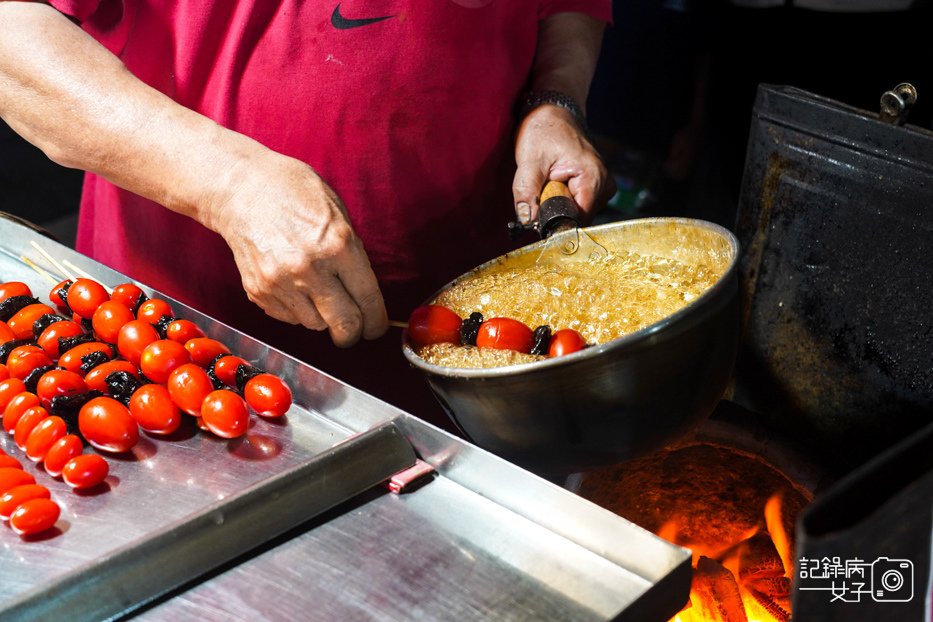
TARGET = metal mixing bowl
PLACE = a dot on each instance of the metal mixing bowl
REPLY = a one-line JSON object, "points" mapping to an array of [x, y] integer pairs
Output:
{"points": [[614, 401]]}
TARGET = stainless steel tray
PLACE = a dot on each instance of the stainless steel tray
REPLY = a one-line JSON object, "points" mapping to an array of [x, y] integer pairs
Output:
{"points": [[482, 539]]}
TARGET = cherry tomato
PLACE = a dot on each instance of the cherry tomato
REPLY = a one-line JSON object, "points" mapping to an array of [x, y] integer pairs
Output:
{"points": [[34, 516], [24, 359], [14, 497], [55, 296], [160, 357], [14, 288], [59, 382], [188, 385], [48, 340], [153, 309], [225, 414], [429, 324], [225, 369], [96, 379], [75, 359], [10, 388], [109, 318], [127, 294], [61, 451], [22, 321], [4, 372], [107, 425], [203, 350], [85, 295], [85, 471], [43, 436], [19, 404], [268, 395], [133, 338], [9, 461], [566, 341], [153, 409], [183, 330], [11, 478], [5, 333], [505, 333], [27, 423]]}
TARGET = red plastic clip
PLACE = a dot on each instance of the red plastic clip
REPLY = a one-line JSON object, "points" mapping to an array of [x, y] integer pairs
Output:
{"points": [[410, 478]]}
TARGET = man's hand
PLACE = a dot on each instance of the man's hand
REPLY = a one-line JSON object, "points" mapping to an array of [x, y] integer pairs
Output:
{"points": [[551, 146], [297, 254]]}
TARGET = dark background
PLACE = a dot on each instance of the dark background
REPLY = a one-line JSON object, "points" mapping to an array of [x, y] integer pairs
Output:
{"points": [[673, 74]]}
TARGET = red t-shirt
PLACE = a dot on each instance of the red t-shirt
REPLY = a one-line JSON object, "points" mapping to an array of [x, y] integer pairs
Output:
{"points": [[408, 118]]}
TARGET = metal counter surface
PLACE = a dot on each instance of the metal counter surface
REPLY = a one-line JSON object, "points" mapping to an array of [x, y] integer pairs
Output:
{"points": [[482, 539]]}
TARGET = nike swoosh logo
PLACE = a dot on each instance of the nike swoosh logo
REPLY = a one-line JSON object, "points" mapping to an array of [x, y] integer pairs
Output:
{"points": [[340, 22]]}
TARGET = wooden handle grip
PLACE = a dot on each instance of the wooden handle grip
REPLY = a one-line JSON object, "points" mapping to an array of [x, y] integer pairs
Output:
{"points": [[555, 189]]}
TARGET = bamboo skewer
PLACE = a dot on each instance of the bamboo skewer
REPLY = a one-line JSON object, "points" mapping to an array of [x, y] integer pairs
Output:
{"points": [[85, 274], [398, 324], [39, 270], [51, 260]]}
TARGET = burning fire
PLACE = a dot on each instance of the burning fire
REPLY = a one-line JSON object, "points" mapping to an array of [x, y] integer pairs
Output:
{"points": [[747, 581]]}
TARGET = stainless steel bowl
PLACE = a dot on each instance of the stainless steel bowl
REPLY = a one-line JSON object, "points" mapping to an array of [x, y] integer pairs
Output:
{"points": [[613, 401]]}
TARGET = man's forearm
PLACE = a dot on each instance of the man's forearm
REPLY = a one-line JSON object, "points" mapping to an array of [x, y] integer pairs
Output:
{"points": [[77, 102], [565, 59]]}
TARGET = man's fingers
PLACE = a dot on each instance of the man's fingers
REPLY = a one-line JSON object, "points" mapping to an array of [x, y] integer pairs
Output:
{"points": [[360, 282], [525, 190]]}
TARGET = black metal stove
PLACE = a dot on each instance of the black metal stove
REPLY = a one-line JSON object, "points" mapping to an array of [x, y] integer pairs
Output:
{"points": [[836, 223]]}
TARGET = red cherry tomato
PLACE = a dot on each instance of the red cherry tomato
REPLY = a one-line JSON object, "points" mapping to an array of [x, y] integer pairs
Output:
{"points": [[24, 359], [10, 388], [203, 350], [48, 340], [268, 395], [107, 425], [11, 478], [225, 414], [127, 294], [9, 461], [225, 369], [34, 516], [43, 436], [56, 298], [22, 321], [59, 382], [74, 359], [153, 409], [85, 295], [4, 372], [153, 310], [5, 333], [16, 406], [505, 333], [566, 341], [183, 330], [14, 497], [133, 338], [160, 357], [109, 318], [61, 451], [188, 385], [96, 379], [27, 423], [429, 324], [14, 288], [85, 471]]}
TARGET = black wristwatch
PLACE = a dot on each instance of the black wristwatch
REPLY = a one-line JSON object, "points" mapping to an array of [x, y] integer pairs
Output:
{"points": [[533, 99]]}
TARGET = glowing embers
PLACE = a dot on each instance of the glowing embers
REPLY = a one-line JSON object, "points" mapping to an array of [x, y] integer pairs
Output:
{"points": [[732, 509]]}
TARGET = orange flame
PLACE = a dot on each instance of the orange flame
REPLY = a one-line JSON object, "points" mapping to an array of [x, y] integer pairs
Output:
{"points": [[775, 525]]}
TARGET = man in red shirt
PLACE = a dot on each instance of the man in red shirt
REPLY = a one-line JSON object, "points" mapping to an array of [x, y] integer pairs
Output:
{"points": [[284, 137]]}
